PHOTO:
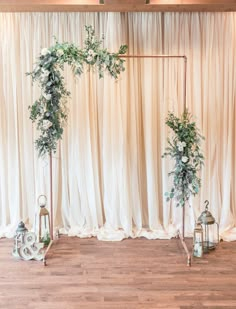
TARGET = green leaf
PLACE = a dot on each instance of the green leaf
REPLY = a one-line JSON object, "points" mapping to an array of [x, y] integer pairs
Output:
{"points": [[123, 49]]}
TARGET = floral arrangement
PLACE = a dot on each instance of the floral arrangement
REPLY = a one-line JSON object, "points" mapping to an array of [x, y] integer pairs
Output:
{"points": [[50, 110], [46, 239], [184, 148]]}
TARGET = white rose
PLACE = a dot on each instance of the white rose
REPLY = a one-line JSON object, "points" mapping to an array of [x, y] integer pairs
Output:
{"points": [[47, 96], [89, 58], [184, 159], [45, 51], [181, 144], [60, 52], [91, 52], [46, 124]]}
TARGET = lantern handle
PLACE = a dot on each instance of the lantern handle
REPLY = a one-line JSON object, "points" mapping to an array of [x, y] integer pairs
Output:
{"points": [[207, 203], [42, 195]]}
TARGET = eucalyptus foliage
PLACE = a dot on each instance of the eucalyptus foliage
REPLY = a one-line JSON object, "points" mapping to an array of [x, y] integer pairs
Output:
{"points": [[184, 147], [50, 109]]}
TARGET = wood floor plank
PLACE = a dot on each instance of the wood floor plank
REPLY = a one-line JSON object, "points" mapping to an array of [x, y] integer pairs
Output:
{"points": [[132, 274]]}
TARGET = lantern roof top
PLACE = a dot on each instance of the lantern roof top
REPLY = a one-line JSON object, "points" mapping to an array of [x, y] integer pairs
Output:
{"points": [[21, 228], [206, 217]]}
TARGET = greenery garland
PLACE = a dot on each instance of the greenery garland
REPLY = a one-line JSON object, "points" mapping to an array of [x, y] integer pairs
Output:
{"points": [[50, 110], [185, 148]]}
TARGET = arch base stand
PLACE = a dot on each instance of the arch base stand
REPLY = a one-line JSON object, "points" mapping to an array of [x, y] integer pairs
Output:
{"points": [[189, 258], [46, 252]]}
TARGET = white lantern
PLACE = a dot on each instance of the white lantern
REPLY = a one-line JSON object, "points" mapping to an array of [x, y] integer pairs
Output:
{"points": [[198, 241], [43, 221], [19, 239]]}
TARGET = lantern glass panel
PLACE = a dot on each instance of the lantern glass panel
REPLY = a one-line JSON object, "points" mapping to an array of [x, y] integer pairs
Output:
{"points": [[198, 241], [210, 236], [44, 224]]}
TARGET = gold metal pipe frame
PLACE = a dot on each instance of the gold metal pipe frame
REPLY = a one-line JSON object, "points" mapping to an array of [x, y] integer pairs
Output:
{"points": [[185, 247], [185, 106], [152, 56], [51, 198]]}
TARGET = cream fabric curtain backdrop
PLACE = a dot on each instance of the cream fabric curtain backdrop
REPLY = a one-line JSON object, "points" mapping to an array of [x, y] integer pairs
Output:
{"points": [[108, 176]]}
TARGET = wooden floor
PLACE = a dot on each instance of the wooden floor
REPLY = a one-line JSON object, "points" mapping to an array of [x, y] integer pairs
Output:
{"points": [[132, 274]]}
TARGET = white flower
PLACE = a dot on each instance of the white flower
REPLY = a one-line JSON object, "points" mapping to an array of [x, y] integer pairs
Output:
{"points": [[47, 96], [91, 53], [184, 159], [60, 52], [195, 153], [45, 72], [181, 145], [45, 51], [46, 124], [44, 75], [89, 58]]}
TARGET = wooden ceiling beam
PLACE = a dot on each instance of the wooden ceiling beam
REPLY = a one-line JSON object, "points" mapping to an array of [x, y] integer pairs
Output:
{"points": [[117, 5]]}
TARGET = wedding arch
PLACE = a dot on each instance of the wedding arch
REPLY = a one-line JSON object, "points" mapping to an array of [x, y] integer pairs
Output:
{"points": [[50, 110]]}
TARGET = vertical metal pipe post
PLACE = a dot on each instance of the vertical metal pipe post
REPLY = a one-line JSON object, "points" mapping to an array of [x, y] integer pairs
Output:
{"points": [[185, 108], [51, 197]]}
